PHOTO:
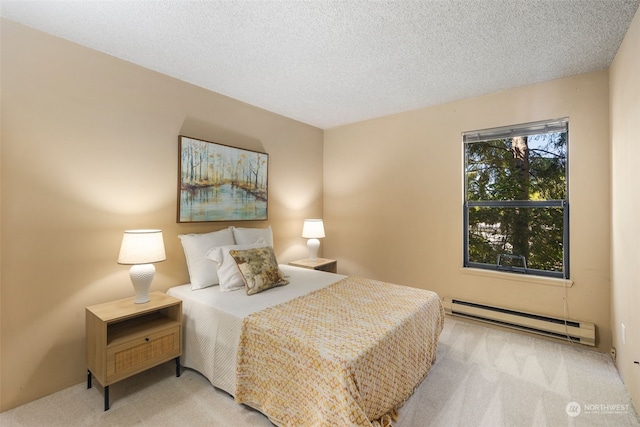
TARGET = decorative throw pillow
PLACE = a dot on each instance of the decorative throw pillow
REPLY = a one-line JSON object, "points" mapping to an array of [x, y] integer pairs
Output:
{"points": [[228, 272], [246, 236], [259, 269], [202, 272]]}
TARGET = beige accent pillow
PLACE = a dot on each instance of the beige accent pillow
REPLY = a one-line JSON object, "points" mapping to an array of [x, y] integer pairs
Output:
{"points": [[259, 269]]}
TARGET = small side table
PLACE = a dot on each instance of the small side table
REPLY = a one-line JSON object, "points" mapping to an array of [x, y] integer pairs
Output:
{"points": [[125, 338], [322, 264]]}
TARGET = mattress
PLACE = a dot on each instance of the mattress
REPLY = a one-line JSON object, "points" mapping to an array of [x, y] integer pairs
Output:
{"points": [[213, 320]]}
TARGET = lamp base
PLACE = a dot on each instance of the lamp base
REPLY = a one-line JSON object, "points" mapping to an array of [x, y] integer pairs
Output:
{"points": [[141, 277], [313, 245]]}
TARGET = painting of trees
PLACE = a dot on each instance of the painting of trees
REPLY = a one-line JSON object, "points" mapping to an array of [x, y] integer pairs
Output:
{"points": [[216, 178], [516, 201]]}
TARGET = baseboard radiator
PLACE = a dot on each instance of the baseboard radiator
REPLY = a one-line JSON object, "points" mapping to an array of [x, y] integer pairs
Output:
{"points": [[571, 330]]}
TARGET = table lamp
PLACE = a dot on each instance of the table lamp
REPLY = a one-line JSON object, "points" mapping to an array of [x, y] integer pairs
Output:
{"points": [[141, 248], [313, 229]]}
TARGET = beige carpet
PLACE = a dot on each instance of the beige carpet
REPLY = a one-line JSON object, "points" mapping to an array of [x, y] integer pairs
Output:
{"points": [[483, 377]]}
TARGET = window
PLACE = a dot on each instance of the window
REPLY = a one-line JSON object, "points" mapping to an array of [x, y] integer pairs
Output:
{"points": [[516, 210]]}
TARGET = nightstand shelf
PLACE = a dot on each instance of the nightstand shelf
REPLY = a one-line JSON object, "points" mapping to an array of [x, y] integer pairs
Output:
{"points": [[322, 264], [125, 338]]}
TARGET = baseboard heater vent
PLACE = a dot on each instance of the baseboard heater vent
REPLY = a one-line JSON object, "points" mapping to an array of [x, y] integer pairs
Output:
{"points": [[571, 330]]}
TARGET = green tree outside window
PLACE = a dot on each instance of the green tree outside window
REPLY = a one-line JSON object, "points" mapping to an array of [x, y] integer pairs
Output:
{"points": [[516, 199]]}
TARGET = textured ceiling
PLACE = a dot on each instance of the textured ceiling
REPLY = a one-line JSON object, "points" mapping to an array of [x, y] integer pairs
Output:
{"points": [[328, 63]]}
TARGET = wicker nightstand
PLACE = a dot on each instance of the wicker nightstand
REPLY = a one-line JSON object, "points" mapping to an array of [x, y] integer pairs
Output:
{"points": [[125, 338], [322, 264]]}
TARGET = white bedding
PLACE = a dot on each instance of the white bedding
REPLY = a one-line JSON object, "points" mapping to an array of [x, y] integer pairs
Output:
{"points": [[211, 343]]}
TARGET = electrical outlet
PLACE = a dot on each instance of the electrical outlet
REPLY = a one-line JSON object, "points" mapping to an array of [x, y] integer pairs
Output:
{"points": [[624, 333], [613, 353]]}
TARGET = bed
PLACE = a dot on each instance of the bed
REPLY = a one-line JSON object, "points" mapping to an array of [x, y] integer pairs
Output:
{"points": [[326, 349]]}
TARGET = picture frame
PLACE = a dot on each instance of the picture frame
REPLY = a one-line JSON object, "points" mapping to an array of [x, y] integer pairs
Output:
{"points": [[217, 182]]}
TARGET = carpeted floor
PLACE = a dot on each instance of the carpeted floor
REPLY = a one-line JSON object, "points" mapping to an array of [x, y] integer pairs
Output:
{"points": [[483, 377]]}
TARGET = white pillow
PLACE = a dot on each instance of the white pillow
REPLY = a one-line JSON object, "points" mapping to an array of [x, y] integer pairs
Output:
{"points": [[203, 272], [247, 236], [228, 272]]}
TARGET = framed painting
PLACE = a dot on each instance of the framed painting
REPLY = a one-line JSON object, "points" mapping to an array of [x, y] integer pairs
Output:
{"points": [[220, 183]]}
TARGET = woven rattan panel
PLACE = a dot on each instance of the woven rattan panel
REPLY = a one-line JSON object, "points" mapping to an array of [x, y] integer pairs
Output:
{"points": [[141, 353]]}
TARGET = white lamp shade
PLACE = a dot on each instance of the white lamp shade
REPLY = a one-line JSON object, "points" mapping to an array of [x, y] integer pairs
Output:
{"points": [[141, 247], [313, 229]]}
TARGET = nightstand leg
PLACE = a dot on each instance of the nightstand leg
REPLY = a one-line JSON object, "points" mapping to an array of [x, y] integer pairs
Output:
{"points": [[178, 366], [106, 398], [88, 379]]}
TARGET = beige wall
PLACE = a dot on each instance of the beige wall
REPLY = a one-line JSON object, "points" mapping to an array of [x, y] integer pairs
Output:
{"points": [[393, 198], [625, 194], [89, 149]]}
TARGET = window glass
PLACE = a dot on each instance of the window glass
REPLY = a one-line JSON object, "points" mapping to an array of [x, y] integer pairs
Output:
{"points": [[516, 199]]}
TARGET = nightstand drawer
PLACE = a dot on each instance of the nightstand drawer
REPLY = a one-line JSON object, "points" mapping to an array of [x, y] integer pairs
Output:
{"points": [[139, 354]]}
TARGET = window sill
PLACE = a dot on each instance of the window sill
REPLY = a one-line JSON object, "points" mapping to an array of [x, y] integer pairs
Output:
{"points": [[514, 277]]}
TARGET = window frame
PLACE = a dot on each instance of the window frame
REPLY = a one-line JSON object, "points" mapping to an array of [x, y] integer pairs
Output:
{"points": [[526, 129]]}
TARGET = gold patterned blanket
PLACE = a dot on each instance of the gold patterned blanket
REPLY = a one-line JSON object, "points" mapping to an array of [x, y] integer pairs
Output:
{"points": [[348, 354]]}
